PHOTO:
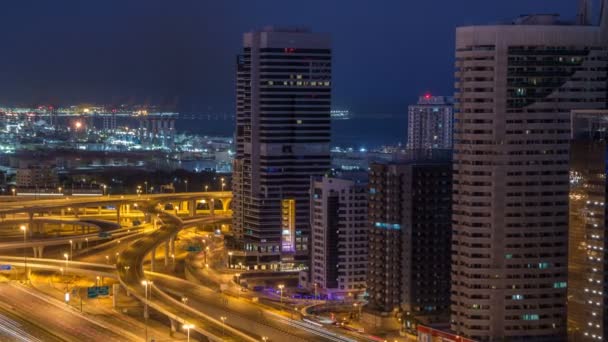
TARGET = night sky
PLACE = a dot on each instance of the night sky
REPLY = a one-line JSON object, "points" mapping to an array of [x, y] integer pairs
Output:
{"points": [[181, 53]]}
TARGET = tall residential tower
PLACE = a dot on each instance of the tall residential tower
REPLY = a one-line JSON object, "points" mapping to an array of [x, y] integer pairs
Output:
{"points": [[409, 235], [339, 237], [282, 139], [430, 123], [516, 85], [587, 238]]}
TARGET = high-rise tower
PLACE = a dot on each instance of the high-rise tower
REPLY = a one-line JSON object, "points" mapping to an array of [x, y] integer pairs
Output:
{"points": [[282, 139], [516, 85], [587, 238], [430, 123]]}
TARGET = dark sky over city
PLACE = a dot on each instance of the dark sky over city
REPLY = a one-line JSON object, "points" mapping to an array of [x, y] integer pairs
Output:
{"points": [[182, 53]]}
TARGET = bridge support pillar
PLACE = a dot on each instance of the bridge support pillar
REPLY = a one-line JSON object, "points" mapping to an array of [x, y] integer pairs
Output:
{"points": [[118, 213], [172, 245], [212, 206], [38, 251], [225, 204], [192, 207], [115, 291], [166, 254], [152, 259], [174, 325], [31, 223]]}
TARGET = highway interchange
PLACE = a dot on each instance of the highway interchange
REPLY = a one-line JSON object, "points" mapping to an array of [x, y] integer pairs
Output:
{"points": [[207, 315]]}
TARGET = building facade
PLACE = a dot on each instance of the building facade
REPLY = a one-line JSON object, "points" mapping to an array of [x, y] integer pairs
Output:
{"points": [[338, 220], [409, 236], [430, 123], [36, 174], [516, 85], [282, 139], [587, 238]]}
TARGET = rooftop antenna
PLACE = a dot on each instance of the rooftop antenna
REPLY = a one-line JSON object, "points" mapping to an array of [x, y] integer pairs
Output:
{"points": [[582, 17]]}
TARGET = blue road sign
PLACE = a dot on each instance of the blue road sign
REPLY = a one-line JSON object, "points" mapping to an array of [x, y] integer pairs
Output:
{"points": [[92, 292], [96, 291], [5, 267], [193, 248], [103, 290]]}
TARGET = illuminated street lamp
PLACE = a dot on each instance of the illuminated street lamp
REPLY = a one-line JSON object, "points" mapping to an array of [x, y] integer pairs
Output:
{"points": [[71, 246], [146, 184], [223, 185], [173, 260], [238, 278], [264, 338], [87, 240], [186, 181], [105, 187], [13, 190], [146, 284], [281, 286], [107, 259], [66, 256], [229, 259], [206, 188], [223, 318], [185, 300], [188, 327], [24, 230], [59, 189]]}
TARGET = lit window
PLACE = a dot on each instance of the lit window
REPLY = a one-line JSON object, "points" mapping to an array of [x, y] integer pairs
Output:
{"points": [[560, 285]]}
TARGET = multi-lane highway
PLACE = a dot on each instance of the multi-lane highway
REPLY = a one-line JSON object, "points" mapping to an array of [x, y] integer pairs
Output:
{"points": [[48, 319], [212, 315]]}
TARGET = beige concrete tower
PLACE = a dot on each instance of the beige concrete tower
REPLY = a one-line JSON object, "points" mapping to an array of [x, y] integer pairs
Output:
{"points": [[516, 85]]}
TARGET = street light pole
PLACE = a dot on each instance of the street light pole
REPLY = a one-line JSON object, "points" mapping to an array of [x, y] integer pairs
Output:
{"points": [[188, 327], [66, 256], [229, 259], [223, 318], [281, 286], [24, 229], [146, 283], [71, 244]]}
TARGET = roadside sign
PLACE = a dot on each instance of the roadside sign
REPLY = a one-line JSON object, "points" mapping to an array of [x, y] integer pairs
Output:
{"points": [[5, 267], [92, 292], [194, 248], [96, 291], [103, 290]]}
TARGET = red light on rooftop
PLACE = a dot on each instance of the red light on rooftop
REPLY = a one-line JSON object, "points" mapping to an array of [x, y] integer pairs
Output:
{"points": [[427, 96]]}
